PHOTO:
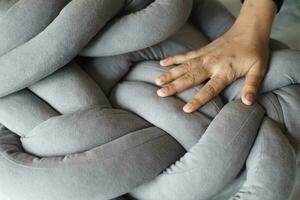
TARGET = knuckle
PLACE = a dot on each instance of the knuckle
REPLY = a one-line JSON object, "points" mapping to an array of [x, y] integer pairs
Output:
{"points": [[173, 70], [207, 69], [226, 74], [171, 87], [187, 67], [208, 59], [224, 79], [190, 77], [198, 73], [211, 89], [219, 80], [230, 73]]}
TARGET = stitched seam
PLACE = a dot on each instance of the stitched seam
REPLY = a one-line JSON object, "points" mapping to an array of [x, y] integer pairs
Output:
{"points": [[280, 117], [226, 163], [29, 135], [21, 164]]}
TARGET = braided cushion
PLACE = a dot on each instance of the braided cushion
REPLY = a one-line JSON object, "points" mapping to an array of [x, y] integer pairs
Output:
{"points": [[92, 127]]}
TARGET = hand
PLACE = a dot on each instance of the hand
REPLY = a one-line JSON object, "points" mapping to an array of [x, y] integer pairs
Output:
{"points": [[241, 52]]}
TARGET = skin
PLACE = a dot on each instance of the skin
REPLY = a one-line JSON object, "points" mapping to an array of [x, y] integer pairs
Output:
{"points": [[241, 52]]}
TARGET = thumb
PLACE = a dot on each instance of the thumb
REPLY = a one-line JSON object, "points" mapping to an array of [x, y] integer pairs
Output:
{"points": [[252, 83]]}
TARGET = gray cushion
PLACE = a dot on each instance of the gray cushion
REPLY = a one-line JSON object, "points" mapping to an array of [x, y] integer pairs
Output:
{"points": [[80, 127]]}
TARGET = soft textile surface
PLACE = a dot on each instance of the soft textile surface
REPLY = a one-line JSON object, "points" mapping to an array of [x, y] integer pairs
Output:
{"points": [[92, 127]]}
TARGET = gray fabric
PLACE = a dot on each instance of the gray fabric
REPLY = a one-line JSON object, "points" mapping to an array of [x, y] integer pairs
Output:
{"points": [[104, 172], [163, 185], [48, 44], [262, 178], [121, 38], [214, 157], [211, 18], [25, 20], [286, 26], [95, 129]]}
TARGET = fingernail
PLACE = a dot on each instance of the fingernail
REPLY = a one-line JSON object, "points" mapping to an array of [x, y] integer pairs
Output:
{"points": [[250, 98], [160, 80], [188, 107], [162, 92], [163, 62]]}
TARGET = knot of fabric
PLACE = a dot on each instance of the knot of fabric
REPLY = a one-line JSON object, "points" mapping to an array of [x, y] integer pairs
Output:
{"points": [[80, 118]]}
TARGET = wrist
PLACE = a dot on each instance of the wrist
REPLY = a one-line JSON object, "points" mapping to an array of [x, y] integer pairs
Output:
{"points": [[256, 18]]}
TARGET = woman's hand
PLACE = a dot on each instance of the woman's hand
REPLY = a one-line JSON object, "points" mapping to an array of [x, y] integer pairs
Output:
{"points": [[241, 52]]}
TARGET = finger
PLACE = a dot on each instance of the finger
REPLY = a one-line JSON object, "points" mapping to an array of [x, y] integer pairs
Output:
{"points": [[172, 74], [181, 58], [187, 81], [252, 83], [211, 89]]}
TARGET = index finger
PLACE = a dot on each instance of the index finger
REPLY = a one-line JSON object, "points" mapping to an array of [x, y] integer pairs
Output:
{"points": [[180, 58]]}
